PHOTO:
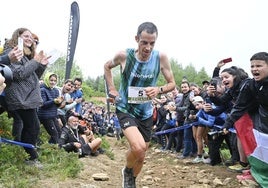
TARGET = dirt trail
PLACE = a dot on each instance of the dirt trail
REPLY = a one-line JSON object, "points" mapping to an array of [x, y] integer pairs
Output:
{"points": [[160, 170]]}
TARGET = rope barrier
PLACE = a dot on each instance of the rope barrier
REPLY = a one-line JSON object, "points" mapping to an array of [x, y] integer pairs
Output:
{"points": [[4, 140], [186, 126]]}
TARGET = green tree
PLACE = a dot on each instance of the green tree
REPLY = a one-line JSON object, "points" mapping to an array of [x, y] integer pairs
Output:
{"points": [[89, 81], [201, 76], [89, 92], [190, 73], [177, 70], [98, 83]]}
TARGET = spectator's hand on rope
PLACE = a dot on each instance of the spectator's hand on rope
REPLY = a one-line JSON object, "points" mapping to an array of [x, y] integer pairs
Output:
{"points": [[225, 131]]}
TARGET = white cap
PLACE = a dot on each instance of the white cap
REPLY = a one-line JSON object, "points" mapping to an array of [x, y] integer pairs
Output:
{"points": [[197, 99]]}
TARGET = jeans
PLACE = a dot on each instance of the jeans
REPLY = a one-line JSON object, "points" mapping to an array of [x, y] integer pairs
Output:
{"points": [[190, 146], [176, 139]]}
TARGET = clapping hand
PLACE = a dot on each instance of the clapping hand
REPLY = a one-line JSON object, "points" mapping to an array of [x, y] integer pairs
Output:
{"points": [[42, 58]]}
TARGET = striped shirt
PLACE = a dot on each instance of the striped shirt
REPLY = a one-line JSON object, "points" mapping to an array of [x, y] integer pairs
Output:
{"points": [[139, 75]]}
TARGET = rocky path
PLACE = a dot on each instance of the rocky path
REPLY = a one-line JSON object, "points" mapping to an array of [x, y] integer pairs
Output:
{"points": [[160, 170]]}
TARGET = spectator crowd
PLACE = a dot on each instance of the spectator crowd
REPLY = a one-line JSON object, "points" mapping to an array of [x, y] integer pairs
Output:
{"points": [[32, 98], [191, 122]]}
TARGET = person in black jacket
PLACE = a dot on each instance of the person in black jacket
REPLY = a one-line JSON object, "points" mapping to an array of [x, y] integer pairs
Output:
{"points": [[71, 141], [189, 144], [233, 78], [253, 99]]}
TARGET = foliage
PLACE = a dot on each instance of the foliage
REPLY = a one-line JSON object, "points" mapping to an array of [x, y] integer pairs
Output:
{"points": [[99, 83], [12, 168], [66, 163], [106, 146], [58, 164], [5, 125], [188, 72], [88, 92], [177, 70]]}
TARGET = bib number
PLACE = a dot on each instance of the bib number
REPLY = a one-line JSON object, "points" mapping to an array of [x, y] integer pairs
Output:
{"points": [[137, 95]]}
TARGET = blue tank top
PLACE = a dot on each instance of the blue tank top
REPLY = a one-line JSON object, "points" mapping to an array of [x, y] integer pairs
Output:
{"points": [[138, 74]]}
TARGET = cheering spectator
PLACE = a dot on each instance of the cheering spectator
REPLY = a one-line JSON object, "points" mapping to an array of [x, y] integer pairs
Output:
{"points": [[23, 95]]}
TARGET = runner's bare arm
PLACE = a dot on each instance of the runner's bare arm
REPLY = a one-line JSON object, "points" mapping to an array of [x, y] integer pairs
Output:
{"points": [[167, 73], [119, 59]]}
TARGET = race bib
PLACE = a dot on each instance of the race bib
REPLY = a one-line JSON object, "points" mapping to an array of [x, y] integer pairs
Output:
{"points": [[136, 95]]}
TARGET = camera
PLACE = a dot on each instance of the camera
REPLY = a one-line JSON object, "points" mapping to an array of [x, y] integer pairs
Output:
{"points": [[6, 73]]}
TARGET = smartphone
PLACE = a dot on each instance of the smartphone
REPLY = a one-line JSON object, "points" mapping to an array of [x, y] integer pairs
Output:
{"points": [[20, 43], [207, 100], [227, 60], [214, 83]]}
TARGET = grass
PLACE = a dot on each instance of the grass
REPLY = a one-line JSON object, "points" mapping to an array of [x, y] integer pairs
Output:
{"points": [[58, 164], [106, 146]]}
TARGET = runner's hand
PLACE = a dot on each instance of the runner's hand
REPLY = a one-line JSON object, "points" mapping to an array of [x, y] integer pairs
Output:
{"points": [[151, 92]]}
